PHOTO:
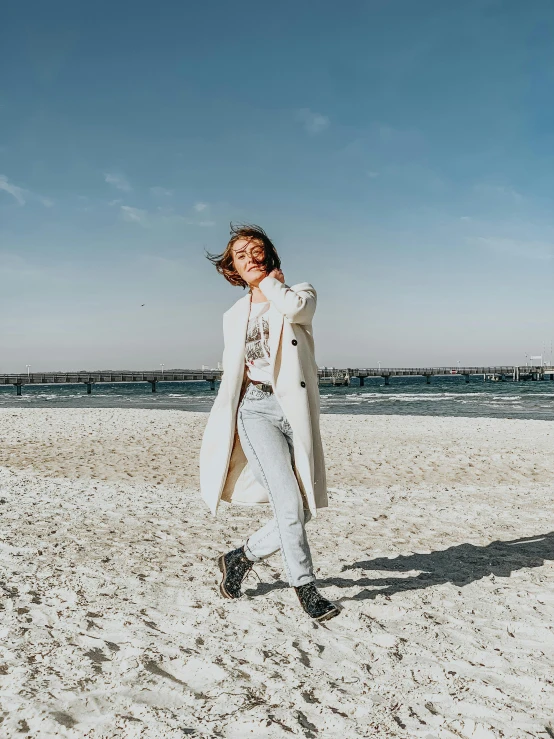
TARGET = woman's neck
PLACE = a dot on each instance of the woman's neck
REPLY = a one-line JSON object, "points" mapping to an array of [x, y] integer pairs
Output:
{"points": [[257, 296]]}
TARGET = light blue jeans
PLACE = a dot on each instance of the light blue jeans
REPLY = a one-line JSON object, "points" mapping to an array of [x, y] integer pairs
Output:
{"points": [[266, 438]]}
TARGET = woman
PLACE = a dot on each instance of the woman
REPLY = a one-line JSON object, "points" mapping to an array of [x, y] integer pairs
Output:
{"points": [[262, 442]]}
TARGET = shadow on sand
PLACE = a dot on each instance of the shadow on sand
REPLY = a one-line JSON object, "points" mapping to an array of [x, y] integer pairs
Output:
{"points": [[459, 565]]}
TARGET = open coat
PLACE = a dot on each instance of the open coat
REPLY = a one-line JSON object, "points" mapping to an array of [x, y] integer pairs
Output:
{"points": [[224, 470]]}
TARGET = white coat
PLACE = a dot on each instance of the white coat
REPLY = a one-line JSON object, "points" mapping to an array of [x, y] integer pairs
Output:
{"points": [[224, 470]]}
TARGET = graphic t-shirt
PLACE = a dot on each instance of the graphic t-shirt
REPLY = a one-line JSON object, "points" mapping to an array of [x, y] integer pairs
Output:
{"points": [[256, 350]]}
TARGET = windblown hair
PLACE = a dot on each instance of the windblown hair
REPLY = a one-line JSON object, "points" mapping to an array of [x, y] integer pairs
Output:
{"points": [[223, 262]]}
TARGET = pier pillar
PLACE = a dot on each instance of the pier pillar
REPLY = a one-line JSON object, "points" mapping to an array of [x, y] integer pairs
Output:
{"points": [[467, 379], [153, 383], [89, 388], [212, 383], [502, 377], [552, 376], [387, 379], [361, 379], [18, 389], [428, 378]]}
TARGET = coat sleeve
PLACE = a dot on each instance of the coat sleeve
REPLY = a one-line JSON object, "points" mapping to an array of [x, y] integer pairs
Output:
{"points": [[296, 304]]}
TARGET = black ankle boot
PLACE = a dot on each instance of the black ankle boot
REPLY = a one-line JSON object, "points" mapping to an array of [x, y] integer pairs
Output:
{"points": [[234, 566], [315, 605]]}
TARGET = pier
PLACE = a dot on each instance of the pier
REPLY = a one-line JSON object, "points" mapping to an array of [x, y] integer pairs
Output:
{"points": [[91, 378], [326, 376], [513, 373]]}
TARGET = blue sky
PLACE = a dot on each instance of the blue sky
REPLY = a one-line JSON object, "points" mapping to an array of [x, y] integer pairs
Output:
{"points": [[399, 153]]}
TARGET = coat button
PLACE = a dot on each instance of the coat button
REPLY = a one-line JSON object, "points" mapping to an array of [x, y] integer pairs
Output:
{"points": [[302, 384], [294, 342]]}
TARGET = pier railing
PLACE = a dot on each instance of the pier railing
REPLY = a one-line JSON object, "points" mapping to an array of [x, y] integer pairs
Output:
{"points": [[326, 374]]}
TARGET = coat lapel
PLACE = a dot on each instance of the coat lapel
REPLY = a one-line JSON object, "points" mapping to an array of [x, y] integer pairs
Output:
{"points": [[275, 320], [235, 337]]}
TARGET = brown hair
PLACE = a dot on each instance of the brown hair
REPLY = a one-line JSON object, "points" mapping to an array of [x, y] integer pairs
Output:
{"points": [[224, 262]]}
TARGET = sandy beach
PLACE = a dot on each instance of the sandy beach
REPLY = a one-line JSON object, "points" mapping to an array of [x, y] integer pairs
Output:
{"points": [[438, 544]]}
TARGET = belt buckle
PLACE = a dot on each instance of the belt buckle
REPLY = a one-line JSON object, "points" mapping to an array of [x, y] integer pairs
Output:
{"points": [[263, 386]]}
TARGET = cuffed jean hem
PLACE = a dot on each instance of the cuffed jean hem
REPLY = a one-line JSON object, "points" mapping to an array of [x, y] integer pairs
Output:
{"points": [[249, 556], [296, 583]]}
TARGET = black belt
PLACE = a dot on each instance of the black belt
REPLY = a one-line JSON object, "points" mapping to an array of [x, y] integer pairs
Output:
{"points": [[263, 386]]}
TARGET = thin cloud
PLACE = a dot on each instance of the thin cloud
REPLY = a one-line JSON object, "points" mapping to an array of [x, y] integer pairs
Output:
{"points": [[16, 192], [118, 180], [192, 222], [160, 217], [21, 194], [538, 250], [314, 123], [161, 192], [133, 215], [199, 207], [405, 141], [372, 175], [15, 267], [498, 191]]}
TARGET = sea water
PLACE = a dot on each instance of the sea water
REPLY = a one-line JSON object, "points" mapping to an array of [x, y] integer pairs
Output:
{"points": [[446, 396]]}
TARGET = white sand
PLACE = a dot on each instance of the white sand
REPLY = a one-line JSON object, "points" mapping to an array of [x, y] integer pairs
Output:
{"points": [[112, 624]]}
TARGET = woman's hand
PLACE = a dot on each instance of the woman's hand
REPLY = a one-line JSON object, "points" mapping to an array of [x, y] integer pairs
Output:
{"points": [[278, 274]]}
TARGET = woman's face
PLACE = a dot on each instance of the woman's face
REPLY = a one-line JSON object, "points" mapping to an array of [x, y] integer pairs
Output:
{"points": [[248, 258]]}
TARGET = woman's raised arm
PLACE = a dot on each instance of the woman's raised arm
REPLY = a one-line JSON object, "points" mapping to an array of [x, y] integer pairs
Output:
{"points": [[297, 306]]}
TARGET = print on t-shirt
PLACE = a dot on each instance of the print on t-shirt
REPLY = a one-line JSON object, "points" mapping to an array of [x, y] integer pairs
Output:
{"points": [[256, 347], [257, 341]]}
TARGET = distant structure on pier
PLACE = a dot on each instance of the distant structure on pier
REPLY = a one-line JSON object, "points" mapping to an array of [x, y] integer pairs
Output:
{"points": [[326, 376]]}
